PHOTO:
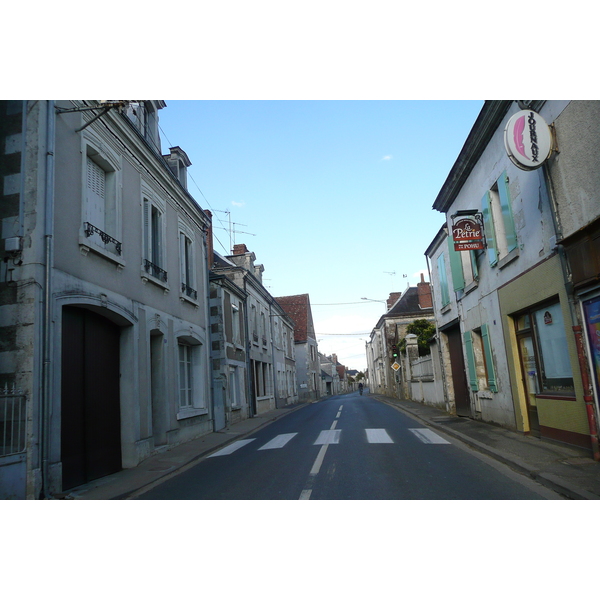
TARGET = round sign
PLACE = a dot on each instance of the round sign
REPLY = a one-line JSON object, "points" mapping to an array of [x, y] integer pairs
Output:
{"points": [[528, 140]]}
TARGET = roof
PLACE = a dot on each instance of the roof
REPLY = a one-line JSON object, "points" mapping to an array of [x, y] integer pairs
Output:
{"points": [[298, 309], [408, 304]]}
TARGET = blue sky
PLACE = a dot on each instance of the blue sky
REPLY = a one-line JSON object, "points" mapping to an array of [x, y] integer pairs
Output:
{"points": [[334, 197]]}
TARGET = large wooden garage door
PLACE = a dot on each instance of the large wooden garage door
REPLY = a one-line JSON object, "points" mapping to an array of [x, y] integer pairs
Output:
{"points": [[90, 414]]}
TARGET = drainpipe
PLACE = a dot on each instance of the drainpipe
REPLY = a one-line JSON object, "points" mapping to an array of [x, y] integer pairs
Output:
{"points": [[46, 397], [588, 394]]}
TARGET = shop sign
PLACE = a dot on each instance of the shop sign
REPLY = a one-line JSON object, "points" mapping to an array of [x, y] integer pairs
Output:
{"points": [[528, 140], [467, 234]]}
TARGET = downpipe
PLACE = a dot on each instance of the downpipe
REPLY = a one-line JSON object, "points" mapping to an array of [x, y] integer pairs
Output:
{"points": [[46, 408]]}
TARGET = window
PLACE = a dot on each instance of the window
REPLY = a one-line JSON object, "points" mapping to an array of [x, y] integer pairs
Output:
{"points": [[153, 255], [234, 387], [500, 233], [192, 378], [186, 258], [101, 202], [185, 376], [542, 331], [235, 323], [480, 362]]}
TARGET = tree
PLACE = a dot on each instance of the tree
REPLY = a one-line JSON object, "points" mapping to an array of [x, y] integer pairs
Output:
{"points": [[424, 330], [360, 375]]}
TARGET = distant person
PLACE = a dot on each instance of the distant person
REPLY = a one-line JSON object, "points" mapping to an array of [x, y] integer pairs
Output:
{"points": [[360, 388]]}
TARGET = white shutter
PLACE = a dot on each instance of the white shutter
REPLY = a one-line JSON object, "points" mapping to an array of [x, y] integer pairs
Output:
{"points": [[96, 195]]}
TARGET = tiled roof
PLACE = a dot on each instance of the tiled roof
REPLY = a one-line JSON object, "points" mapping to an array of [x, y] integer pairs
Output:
{"points": [[408, 305], [298, 309]]}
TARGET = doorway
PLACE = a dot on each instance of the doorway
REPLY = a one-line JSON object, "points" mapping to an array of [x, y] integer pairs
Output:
{"points": [[462, 397], [90, 397]]}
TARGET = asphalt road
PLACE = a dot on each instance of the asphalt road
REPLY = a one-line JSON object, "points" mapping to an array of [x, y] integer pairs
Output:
{"points": [[347, 447]]}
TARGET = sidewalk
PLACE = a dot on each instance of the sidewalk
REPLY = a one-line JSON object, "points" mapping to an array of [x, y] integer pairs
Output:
{"points": [[567, 470]]}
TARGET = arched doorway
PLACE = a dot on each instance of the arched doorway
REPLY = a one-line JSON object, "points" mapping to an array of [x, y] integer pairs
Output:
{"points": [[90, 397]]}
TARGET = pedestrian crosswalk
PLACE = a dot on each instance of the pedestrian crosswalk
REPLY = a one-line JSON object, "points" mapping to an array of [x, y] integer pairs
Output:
{"points": [[334, 436]]}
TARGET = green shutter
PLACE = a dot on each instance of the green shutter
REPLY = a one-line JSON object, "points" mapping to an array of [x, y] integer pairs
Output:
{"points": [[507, 217], [443, 280], [474, 268], [468, 337], [458, 278], [488, 224], [489, 362]]}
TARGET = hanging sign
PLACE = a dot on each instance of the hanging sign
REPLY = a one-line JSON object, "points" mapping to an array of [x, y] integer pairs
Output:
{"points": [[528, 140], [467, 234]]}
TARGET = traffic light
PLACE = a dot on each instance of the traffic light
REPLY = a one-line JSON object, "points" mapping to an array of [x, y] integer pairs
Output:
{"points": [[394, 351]]}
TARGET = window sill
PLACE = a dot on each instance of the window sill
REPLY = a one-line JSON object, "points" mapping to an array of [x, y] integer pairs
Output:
{"points": [[85, 247], [513, 255], [472, 286], [446, 308], [191, 301], [146, 277], [187, 413], [567, 398]]}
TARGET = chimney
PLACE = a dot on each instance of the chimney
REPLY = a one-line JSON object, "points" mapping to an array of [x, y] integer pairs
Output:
{"points": [[240, 249], [424, 293], [210, 257], [393, 299]]}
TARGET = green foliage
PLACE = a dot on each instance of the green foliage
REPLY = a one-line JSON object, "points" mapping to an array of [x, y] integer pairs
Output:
{"points": [[424, 330], [360, 375]]}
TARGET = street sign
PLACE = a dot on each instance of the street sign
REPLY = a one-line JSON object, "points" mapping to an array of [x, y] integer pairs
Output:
{"points": [[395, 366]]}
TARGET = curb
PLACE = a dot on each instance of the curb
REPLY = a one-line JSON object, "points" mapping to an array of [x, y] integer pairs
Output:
{"points": [[548, 480]]}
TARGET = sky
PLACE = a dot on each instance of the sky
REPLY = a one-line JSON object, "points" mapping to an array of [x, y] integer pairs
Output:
{"points": [[333, 197]]}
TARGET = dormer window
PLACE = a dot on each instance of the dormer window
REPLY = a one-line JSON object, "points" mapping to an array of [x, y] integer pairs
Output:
{"points": [[178, 162]]}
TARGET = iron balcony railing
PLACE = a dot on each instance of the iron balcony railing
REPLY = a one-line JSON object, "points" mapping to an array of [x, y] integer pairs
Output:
{"points": [[155, 271], [188, 291], [90, 229], [12, 421]]}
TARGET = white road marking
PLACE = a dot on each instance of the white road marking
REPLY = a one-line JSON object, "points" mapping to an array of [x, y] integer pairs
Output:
{"points": [[378, 436], [334, 425], [319, 460], [305, 495], [278, 441], [331, 436], [429, 437], [232, 447]]}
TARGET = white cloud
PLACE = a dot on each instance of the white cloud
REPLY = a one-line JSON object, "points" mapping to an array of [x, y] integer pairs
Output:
{"points": [[387, 157], [238, 203]]}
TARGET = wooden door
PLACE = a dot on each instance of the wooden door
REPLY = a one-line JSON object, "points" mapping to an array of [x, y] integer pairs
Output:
{"points": [[462, 396], [90, 398]]}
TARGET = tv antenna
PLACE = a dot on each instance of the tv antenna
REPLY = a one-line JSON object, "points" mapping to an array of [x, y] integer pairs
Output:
{"points": [[231, 229]]}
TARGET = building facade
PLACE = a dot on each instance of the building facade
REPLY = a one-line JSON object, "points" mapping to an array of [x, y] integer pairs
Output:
{"points": [[508, 324], [105, 292]]}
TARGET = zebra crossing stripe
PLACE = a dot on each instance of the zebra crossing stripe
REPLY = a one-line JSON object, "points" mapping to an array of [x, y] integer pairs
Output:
{"points": [[278, 441], [329, 436], [378, 436], [429, 437], [232, 447]]}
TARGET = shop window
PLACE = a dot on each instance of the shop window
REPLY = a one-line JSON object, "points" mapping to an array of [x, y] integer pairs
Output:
{"points": [[542, 332]]}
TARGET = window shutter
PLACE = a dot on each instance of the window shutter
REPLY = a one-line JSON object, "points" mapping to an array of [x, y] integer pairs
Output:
{"points": [[458, 278], [507, 217], [474, 384], [474, 267], [489, 363], [488, 224], [146, 217], [96, 194], [443, 280]]}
